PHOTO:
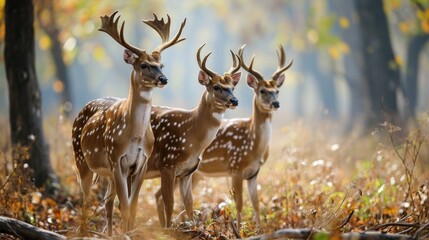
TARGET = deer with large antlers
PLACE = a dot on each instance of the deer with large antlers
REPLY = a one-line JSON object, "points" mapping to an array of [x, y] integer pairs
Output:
{"points": [[112, 137], [181, 135], [241, 145]]}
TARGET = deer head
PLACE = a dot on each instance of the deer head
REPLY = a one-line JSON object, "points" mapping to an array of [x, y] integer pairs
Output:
{"points": [[266, 91], [220, 87], [147, 68]]}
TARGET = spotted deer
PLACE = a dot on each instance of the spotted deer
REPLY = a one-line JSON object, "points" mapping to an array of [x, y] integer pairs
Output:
{"points": [[181, 135], [112, 137], [241, 145]]}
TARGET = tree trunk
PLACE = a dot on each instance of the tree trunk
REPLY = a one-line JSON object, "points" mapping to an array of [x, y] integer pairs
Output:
{"points": [[51, 29], [61, 72], [24, 95], [351, 68], [324, 82], [381, 73], [415, 46]]}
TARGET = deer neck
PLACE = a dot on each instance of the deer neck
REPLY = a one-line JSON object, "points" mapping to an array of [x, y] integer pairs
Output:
{"points": [[206, 113], [138, 105], [207, 119], [260, 126]]}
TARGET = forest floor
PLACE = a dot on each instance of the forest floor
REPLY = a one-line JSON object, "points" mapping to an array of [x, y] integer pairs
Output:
{"points": [[312, 180]]}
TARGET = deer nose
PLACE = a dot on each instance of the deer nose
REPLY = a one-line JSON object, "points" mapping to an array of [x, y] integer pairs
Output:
{"points": [[276, 104], [163, 79], [234, 101]]}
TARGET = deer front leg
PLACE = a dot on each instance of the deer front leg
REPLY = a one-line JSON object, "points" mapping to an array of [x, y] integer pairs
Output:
{"points": [[237, 185], [110, 199], [185, 185], [253, 193], [167, 192], [120, 183], [136, 183]]}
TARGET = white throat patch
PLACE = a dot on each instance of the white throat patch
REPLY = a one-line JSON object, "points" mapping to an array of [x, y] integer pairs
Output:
{"points": [[218, 116], [147, 95]]}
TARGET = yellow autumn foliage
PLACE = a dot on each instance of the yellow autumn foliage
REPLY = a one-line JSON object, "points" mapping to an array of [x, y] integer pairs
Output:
{"points": [[344, 22], [44, 42]]}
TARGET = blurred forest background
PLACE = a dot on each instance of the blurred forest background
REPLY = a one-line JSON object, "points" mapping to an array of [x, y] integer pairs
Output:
{"points": [[357, 64], [329, 80]]}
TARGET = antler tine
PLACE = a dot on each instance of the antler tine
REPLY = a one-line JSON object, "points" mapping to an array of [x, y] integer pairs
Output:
{"points": [[235, 67], [202, 65], [163, 29], [250, 67], [205, 69], [281, 56], [109, 25], [198, 55], [176, 38], [282, 59]]}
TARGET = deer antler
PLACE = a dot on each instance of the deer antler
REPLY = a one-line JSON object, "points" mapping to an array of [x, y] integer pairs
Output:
{"points": [[235, 67], [203, 64], [163, 29], [282, 59], [110, 26], [250, 67]]}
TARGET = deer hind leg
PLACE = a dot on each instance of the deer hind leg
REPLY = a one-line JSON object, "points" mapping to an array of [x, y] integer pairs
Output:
{"points": [[237, 185], [253, 193], [167, 192], [110, 199], [160, 207], [85, 175]]}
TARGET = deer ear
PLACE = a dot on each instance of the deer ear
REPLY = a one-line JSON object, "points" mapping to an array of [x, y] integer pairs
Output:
{"points": [[280, 80], [129, 57], [236, 78], [203, 78], [251, 81]]}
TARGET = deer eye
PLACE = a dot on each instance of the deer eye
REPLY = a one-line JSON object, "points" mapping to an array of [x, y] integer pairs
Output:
{"points": [[277, 92], [144, 66], [263, 91], [216, 88]]}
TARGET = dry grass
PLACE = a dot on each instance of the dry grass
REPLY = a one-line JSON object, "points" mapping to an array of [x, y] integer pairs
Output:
{"points": [[312, 180]]}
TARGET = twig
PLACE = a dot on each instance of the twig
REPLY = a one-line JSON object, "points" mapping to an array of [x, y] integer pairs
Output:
{"points": [[405, 217], [8, 178], [335, 212], [417, 234], [346, 221], [234, 229], [397, 224], [406, 230], [310, 235], [415, 146], [97, 233], [307, 233], [96, 208], [425, 236]]}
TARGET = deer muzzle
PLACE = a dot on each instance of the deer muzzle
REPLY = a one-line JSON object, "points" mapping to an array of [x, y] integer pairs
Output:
{"points": [[234, 101], [276, 104], [163, 80]]}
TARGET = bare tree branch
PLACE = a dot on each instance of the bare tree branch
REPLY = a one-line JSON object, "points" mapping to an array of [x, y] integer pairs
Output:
{"points": [[24, 230]]}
